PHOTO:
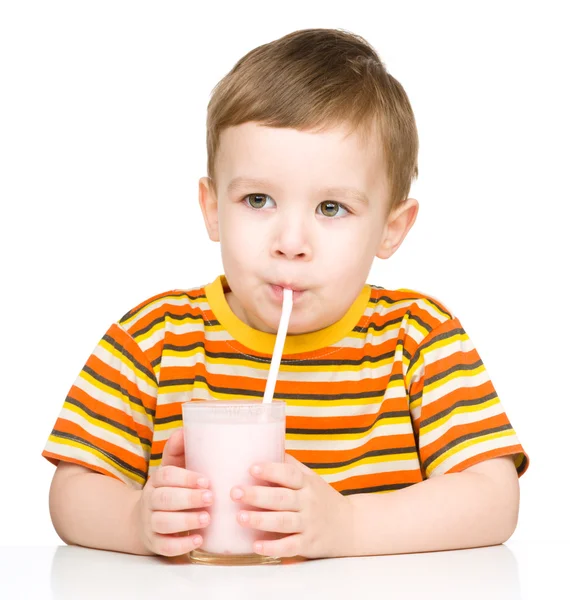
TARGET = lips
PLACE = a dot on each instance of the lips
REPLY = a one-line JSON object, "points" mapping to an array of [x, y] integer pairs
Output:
{"points": [[277, 291], [290, 286]]}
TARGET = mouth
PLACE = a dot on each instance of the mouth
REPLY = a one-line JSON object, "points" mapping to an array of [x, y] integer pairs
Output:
{"points": [[277, 291]]}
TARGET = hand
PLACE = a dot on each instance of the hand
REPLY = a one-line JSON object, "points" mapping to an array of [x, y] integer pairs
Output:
{"points": [[164, 515], [316, 515]]}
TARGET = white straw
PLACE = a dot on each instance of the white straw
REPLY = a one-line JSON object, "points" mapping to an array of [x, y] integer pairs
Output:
{"points": [[279, 343]]}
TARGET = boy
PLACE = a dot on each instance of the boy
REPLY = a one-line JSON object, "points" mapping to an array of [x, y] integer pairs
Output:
{"points": [[312, 148]]}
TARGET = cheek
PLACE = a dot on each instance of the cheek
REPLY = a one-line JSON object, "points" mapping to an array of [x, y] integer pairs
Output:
{"points": [[240, 241]]}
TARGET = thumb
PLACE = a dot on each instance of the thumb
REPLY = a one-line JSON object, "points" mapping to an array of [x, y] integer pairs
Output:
{"points": [[173, 451]]}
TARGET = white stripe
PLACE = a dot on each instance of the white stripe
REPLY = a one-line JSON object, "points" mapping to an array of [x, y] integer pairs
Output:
{"points": [[116, 363], [348, 444], [457, 382], [156, 304], [114, 402], [146, 344], [118, 439], [457, 419], [72, 452], [310, 375], [411, 464], [474, 450]]}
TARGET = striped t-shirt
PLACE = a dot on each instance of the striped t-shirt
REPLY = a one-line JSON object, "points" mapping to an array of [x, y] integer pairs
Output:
{"points": [[391, 394]]}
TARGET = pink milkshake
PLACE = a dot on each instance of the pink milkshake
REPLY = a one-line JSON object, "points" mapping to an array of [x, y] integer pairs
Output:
{"points": [[222, 441]]}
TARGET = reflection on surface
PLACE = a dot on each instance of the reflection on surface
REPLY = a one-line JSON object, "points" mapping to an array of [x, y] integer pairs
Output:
{"points": [[467, 574]]}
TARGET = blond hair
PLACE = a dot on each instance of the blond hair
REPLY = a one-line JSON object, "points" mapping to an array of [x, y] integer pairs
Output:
{"points": [[314, 79]]}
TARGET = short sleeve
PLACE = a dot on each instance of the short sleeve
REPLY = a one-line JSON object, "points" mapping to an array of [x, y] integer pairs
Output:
{"points": [[457, 416], [107, 419]]}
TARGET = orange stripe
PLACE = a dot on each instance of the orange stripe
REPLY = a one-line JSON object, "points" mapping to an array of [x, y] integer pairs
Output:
{"points": [[137, 462], [55, 458]]}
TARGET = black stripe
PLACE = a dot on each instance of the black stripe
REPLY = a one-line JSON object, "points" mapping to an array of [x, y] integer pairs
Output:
{"points": [[115, 459], [135, 311], [129, 356], [463, 438], [453, 369], [523, 464], [169, 419], [443, 374], [262, 359], [378, 417], [116, 386], [377, 488], [375, 327], [185, 348], [281, 396], [434, 340], [343, 463], [104, 419], [472, 402], [420, 298], [199, 316]]}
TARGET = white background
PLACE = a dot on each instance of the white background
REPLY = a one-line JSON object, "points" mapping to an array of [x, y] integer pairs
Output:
{"points": [[102, 143]]}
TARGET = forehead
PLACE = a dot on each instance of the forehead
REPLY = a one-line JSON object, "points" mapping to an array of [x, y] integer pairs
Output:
{"points": [[291, 158]]}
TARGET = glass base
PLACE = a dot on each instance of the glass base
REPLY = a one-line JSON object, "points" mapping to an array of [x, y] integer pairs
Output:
{"points": [[202, 557]]}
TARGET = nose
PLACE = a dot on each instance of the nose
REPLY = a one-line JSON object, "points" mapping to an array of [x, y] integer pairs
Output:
{"points": [[291, 240]]}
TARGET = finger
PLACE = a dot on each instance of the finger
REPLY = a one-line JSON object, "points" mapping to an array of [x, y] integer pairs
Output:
{"points": [[293, 461], [175, 522], [173, 545], [173, 451], [264, 496], [285, 474], [172, 476], [287, 546], [167, 498], [278, 522]]}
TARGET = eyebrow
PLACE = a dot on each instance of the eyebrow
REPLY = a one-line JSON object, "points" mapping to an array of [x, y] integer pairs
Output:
{"points": [[351, 193]]}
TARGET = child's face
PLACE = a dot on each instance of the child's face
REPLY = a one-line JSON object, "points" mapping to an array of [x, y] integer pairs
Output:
{"points": [[294, 228]]}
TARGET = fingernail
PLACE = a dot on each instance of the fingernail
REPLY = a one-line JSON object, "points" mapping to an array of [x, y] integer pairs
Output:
{"points": [[196, 540], [203, 482], [207, 497], [258, 547], [256, 470], [237, 494], [204, 518], [243, 517]]}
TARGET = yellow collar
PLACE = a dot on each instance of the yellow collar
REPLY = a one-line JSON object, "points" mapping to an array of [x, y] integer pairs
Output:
{"points": [[263, 342]]}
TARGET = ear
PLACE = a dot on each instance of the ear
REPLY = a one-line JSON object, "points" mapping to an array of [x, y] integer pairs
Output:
{"points": [[398, 223], [209, 206]]}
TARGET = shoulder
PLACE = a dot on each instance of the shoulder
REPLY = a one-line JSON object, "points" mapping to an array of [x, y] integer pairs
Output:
{"points": [[156, 309], [420, 311]]}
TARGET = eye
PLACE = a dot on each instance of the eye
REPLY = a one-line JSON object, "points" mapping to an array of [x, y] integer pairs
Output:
{"points": [[256, 200], [331, 209]]}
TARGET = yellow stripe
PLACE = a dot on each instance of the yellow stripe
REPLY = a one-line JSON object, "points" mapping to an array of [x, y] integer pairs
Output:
{"points": [[349, 436], [104, 425], [144, 336], [468, 374], [165, 300], [459, 410], [128, 363], [462, 337], [113, 392], [99, 454], [369, 460], [167, 426], [467, 444]]}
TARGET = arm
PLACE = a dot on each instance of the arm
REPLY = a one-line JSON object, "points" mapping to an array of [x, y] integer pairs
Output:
{"points": [[94, 510], [477, 507], [99, 511]]}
